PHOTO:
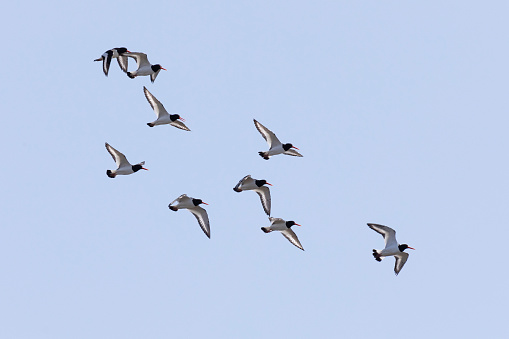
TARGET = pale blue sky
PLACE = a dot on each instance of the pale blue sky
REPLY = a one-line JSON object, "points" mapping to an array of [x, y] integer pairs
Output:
{"points": [[399, 108]]}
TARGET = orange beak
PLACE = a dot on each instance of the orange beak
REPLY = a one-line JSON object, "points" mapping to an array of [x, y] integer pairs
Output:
{"points": [[164, 69], [295, 147], [268, 184], [411, 248], [203, 202], [146, 169], [298, 225], [182, 119]]}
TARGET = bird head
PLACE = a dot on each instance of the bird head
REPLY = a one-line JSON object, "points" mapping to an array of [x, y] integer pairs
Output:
{"points": [[403, 247], [196, 202], [291, 223], [138, 167], [262, 182], [286, 147]]}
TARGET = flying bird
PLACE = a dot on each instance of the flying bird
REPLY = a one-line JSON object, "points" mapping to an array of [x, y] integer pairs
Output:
{"points": [[144, 66], [123, 166], [192, 205], [112, 54], [249, 184], [162, 115], [392, 248], [278, 224], [276, 147]]}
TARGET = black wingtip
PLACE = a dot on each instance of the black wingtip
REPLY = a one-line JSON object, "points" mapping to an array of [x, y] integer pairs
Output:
{"points": [[150, 124], [237, 189], [110, 174], [130, 75], [265, 230], [173, 208]]}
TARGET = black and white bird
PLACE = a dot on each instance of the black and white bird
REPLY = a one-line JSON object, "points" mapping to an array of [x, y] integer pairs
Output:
{"points": [[392, 248], [113, 53], [192, 205], [276, 147], [123, 166], [162, 115], [144, 66], [249, 184], [278, 224]]}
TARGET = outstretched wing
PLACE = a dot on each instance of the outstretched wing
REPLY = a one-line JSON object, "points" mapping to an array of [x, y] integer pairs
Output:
{"points": [[276, 221], [292, 237], [182, 196], [401, 259], [388, 233], [153, 76], [119, 158], [267, 134], [107, 61], [180, 125], [241, 181], [292, 152], [154, 103], [122, 62], [141, 58], [264, 194], [203, 219]]}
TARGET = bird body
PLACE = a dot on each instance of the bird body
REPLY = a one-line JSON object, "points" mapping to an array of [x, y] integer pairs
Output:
{"points": [[249, 184], [144, 66], [113, 53], [192, 205], [392, 248], [123, 166], [278, 224], [163, 117], [275, 146]]}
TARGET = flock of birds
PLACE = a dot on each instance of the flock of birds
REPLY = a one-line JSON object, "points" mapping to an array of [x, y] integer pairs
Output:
{"points": [[124, 167]]}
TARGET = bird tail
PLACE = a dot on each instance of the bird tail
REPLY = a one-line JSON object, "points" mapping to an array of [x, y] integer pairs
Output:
{"points": [[376, 255], [266, 229], [150, 124], [130, 75], [264, 155], [111, 174]]}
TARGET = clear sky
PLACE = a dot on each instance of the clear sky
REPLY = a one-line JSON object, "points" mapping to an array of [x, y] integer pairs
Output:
{"points": [[399, 108]]}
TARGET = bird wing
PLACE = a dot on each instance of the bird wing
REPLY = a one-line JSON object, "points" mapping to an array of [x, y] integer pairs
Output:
{"points": [[179, 124], [275, 220], [241, 181], [264, 194], [388, 233], [267, 134], [292, 237], [203, 219], [107, 61], [122, 62], [153, 76], [119, 158], [401, 259], [292, 152], [141, 58], [182, 196], [156, 104]]}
